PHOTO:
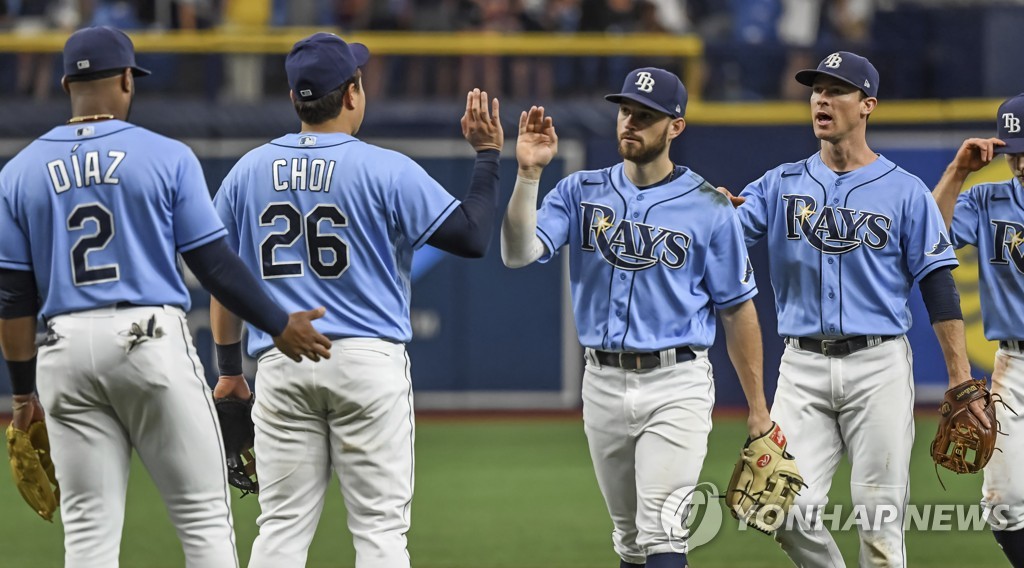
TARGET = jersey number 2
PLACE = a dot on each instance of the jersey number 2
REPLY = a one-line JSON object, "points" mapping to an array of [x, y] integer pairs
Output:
{"points": [[317, 243], [104, 223]]}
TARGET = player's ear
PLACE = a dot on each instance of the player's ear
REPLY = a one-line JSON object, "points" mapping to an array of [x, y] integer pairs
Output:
{"points": [[291, 95], [676, 127], [349, 98], [126, 80], [64, 85], [867, 105]]}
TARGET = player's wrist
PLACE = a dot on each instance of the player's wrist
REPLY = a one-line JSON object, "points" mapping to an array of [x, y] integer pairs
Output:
{"points": [[529, 173], [229, 359]]}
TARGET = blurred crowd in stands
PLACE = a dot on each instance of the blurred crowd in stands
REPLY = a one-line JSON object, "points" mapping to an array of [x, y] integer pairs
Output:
{"points": [[752, 47]]}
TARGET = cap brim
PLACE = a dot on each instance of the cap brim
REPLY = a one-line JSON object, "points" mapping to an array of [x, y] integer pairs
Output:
{"points": [[1013, 146], [807, 77], [619, 97], [140, 72], [360, 52]]}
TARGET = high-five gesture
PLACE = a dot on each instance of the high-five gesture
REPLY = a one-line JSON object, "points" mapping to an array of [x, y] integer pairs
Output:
{"points": [[537, 144], [482, 128]]}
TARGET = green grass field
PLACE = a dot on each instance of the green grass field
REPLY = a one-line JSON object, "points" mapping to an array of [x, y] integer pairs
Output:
{"points": [[506, 494]]}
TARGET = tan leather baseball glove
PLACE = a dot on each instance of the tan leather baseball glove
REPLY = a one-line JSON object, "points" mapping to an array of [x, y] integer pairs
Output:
{"points": [[764, 482], [32, 468]]}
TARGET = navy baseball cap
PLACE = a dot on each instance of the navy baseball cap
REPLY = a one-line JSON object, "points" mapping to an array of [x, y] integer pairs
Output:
{"points": [[1008, 125], [847, 67], [99, 49], [321, 63], [655, 89]]}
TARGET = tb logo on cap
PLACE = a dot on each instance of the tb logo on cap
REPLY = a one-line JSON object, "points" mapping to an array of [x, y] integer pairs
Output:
{"points": [[833, 61], [1011, 123], [644, 82]]}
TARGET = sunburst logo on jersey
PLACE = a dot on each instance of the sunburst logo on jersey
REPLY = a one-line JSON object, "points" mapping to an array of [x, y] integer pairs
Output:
{"points": [[981, 351]]}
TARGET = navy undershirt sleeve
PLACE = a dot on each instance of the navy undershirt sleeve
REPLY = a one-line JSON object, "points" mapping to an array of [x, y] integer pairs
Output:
{"points": [[468, 229], [19, 297], [225, 276], [940, 295]]}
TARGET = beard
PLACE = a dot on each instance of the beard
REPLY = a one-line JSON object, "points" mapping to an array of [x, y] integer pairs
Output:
{"points": [[641, 153]]}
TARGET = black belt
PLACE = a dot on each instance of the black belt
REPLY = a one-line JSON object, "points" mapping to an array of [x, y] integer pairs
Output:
{"points": [[634, 360], [1012, 345], [840, 347]]}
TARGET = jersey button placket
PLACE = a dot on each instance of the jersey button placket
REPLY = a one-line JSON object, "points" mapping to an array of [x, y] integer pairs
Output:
{"points": [[829, 297]]}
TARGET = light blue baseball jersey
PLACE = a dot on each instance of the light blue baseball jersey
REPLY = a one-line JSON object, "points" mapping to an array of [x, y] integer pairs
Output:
{"points": [[98, 212], [329, 220], [647, 267], [990, 216], [844, 250]]}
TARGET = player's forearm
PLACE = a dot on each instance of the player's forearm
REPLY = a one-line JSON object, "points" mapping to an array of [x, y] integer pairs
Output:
{"points": [[519, 242], [952, 339], [468, 230], [743, 341], [18, 340], [947, 191], [225, 325]]}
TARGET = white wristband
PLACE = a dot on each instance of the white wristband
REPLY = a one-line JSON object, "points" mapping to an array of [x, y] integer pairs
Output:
{"points": [[520, 180]]}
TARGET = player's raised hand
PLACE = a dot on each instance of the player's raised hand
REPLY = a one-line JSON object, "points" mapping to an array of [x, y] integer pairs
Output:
{"points": [[537, 144], [976, 153], [300, 339], [482, 128]]}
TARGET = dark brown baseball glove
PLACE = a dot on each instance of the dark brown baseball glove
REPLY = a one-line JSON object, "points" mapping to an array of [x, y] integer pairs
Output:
{"points": [[963, 444]]}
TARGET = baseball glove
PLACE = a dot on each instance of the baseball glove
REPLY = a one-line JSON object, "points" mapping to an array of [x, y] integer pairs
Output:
{"points": [[235, 416], [764, 482], [962, 443], [32, 468]]}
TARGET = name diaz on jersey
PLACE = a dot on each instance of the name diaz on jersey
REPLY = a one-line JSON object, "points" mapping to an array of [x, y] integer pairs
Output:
{"points": [[93, 168], [628, 245], [834, 230]]}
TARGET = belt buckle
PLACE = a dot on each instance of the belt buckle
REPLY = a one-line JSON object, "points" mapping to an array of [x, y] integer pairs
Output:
{"points": [[825, 343], [622, 362]]}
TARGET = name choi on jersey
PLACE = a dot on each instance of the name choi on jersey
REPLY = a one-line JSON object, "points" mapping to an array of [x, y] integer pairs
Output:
{"points": [[834, 230], [303, 174], [90, 169], [628, 245], [1008, 244]]}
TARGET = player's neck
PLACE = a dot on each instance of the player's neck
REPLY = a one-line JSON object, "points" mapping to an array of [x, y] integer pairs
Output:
{"points": [[643, 175], [93, 110], [334, 126], [846, 155]]}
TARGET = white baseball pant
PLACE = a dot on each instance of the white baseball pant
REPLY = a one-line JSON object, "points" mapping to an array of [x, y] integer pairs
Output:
{"points": [[648, 436], [1002, 492], [106, 391], [861, 405], [352, 414]]}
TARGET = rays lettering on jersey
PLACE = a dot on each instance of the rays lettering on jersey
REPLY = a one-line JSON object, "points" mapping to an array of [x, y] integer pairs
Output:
{"points": [[90, 169], [303, 174], [834, 230], [628, 245], [1008, 241]]}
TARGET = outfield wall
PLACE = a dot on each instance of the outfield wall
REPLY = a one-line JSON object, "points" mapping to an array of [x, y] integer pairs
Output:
{"points": [[490, 337]]}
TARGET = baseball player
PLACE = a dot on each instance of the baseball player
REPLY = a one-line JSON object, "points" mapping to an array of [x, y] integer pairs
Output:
{"points": [[849, 232], [990, 216], [654, 253], [321, 215], [92, 215]]}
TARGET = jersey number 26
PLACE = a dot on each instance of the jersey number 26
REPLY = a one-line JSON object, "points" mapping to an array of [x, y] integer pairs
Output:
{"points": [[318, 244]]}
